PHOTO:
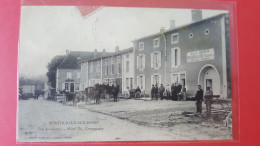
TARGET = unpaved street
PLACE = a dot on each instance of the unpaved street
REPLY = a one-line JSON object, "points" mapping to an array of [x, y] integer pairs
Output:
{"points": [[42, 120], [35, 115]]}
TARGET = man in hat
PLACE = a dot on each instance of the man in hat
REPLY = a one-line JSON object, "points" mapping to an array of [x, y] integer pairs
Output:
{"points": [[199, 99]]}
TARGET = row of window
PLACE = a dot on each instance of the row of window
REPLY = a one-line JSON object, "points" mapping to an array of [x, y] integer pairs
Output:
{"points": [[174, 40], [156, 79], [156, 59], [113, 68], [69, 75]]}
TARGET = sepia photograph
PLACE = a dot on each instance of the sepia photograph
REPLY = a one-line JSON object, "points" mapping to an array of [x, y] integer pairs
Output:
{"points": [[98, 74]]}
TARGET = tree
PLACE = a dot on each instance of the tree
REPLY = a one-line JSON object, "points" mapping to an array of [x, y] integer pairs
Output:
{"points": [[52, 69]]}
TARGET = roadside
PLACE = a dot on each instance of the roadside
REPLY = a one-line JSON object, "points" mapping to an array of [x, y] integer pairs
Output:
{"points": [[178, 116]]}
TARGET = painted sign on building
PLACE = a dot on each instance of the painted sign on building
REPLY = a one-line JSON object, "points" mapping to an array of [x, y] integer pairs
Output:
{"points": [[200, 55]]}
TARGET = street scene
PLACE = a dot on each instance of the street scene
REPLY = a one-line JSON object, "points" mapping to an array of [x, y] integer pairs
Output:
{"points": [[131, 120], [94, 73]]}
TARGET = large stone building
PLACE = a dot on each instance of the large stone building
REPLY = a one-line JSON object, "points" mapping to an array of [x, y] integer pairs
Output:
{"points": [[192, 54], [107, 69]]}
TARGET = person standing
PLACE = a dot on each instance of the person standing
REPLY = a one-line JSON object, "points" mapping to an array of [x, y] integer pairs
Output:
{"points": [[168, 91], [183, 90], [179, 87], [115, 93], [199, 99], [161, 91], [153, 91], [175, 92], [208, 100], [156, 92]]}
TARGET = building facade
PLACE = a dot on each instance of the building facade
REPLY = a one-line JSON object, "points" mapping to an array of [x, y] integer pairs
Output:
{"points": [[107, 69], [69, 72], [193, 54], [128, 69]]}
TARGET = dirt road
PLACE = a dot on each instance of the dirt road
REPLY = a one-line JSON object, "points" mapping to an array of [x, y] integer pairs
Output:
{"points": [[42, 120]]}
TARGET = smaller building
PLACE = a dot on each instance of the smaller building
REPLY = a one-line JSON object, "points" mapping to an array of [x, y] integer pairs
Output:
{"points": [[69, 71], [28, 90]]}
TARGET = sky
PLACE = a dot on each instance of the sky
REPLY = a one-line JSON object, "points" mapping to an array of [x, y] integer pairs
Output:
{"points": [[47, 31]]}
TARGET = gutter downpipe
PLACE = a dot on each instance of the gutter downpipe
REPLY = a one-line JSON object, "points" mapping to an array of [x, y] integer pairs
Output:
{"points": [[165, 54]]}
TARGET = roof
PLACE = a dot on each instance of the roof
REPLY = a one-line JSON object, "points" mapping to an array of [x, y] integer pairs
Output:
{"points": [[182, 26], [113, 54], [72, 59]]}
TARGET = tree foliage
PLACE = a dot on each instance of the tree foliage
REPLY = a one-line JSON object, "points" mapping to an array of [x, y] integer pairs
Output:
{"points": [[52, 69]]}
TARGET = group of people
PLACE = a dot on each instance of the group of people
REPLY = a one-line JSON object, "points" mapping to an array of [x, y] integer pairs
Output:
{"points": [[175, 92], [178, 92]]}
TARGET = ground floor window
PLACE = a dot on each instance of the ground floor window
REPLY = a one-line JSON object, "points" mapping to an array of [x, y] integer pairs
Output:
{"points": [[178, 78], [141, 81], [156, 79], [127, 82], [174, 78], [77, 86], [66, 86]]}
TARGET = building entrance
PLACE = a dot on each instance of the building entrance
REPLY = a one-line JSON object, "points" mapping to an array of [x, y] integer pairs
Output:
{"points": [[209, 77]]}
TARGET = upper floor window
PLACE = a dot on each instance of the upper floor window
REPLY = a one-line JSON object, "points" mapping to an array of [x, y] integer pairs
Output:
{"points": [[118, 58], [156, 42], [106, 70], [69, 75], [206, 31], [91, 67], [112, 69], [156, 60], [78, 75], [127, 66], [141, 46], [118, 68], [106, 62], [174, 38], [98, 67], [191, 35], [175, 57], [112, 60], [141, 62]]}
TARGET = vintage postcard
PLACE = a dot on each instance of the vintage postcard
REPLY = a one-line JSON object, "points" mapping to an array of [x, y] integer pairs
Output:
{"points": [[96, 73]]}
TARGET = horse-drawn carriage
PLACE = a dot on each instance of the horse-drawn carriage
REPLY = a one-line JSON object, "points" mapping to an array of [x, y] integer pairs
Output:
{"points": [[92, 94]]}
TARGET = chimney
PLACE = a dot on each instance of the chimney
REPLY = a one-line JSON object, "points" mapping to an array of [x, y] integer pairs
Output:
{"points": [[95, 53], [103, 52], [172, 24], [67, 52], [196, 15], [162, 29], [116, 48]]}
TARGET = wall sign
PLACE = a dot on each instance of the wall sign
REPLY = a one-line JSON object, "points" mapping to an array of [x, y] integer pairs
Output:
{"points": [[200, 55]]}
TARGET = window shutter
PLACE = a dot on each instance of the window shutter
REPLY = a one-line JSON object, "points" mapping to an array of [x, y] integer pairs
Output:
{"points": [[137, 81], [172, 57], [151, 80], [160, 80], [152, 60], [143, 62], [63, 86], [179, 56], [137, 62], [159, 59], [144, 82]]}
